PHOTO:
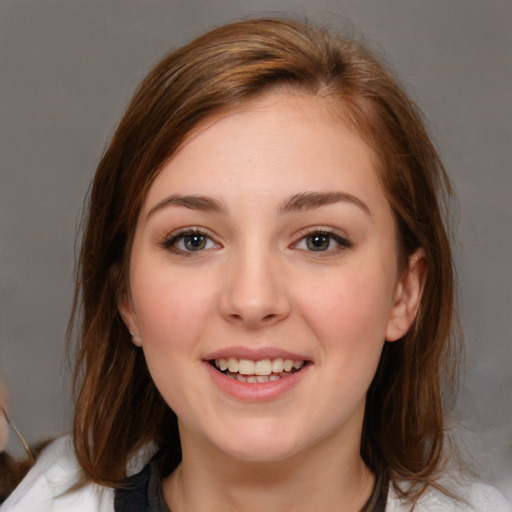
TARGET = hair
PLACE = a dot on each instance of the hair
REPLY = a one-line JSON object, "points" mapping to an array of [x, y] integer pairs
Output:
{"points": [[118, 408]]}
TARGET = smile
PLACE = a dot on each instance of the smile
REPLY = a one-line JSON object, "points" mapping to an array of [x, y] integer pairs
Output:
{"points": [[260, 371]]}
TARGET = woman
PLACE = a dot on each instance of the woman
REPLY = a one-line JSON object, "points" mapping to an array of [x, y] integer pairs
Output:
{"points": [[265, 295]]}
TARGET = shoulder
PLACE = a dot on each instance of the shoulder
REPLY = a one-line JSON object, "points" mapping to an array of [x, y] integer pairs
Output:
{"points": [[484, 498], [474, 497], [46, 486]]}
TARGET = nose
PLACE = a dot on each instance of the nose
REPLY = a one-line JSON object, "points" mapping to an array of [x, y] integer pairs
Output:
{"points": [[255, 291]]}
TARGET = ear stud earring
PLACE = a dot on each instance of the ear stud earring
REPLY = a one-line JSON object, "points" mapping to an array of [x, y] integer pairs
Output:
{"points": [[136, 339]]}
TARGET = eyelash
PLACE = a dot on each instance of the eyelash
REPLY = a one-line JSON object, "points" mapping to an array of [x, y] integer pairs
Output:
{"points": [[171, 241], [341, 242]]}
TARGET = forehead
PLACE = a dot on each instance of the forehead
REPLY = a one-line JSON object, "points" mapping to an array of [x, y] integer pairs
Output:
{"points": [[279, 105], [284, 138]]}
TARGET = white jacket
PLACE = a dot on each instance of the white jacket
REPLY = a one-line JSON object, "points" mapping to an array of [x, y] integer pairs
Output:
{"points": [[45, 487]]}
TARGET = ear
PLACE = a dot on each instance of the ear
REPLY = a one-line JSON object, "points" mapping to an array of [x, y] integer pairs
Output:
{"points": [[127, 312], [407, 299]]}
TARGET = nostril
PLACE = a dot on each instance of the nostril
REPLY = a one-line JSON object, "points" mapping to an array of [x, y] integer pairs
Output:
{"points": [[265, 318], [254, 313]]}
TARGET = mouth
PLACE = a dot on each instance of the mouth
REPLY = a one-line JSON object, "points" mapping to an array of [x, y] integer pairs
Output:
{"points": [[259, 371]]}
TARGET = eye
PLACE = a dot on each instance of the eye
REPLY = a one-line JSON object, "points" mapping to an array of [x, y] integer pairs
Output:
{"points": [[189, 241], [318, 242], [322, 241]]}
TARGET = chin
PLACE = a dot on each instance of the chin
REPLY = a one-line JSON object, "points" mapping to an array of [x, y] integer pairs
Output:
{"points": [[260, 445], [267, 452]]}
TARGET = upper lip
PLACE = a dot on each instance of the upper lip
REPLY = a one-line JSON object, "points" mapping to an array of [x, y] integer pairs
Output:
{"points": [[255, 354]]}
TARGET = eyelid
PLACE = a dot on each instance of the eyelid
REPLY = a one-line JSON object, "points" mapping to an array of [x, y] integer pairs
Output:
{"points": [[178, 234], [340, 238]]}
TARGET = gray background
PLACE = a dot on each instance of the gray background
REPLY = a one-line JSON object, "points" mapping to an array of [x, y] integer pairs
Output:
{"points": [[67, 69]]}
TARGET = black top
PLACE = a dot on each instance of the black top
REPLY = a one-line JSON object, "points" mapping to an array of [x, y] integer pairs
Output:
{"points": [[143, 492]]}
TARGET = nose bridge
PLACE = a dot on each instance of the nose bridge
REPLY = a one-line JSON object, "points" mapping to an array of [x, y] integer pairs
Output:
{"points": [[255, 293]]}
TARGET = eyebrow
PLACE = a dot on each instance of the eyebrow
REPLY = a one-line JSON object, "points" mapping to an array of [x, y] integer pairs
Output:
{"points": [[194, 202], [311, 200], [298, 202]]}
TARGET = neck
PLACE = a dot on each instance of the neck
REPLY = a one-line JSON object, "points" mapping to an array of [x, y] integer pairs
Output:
{"points": [[318, 479]]}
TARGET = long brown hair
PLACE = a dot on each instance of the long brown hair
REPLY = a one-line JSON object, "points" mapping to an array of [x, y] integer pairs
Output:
{"points": [[118, 409]]}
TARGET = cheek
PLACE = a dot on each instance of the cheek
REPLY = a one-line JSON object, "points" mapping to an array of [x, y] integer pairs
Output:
{"points": [[171, 312], [169, 306], [174, 309], [350, 310]]}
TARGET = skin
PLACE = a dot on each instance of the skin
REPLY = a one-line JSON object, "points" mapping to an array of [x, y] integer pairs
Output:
{"points": [[257, 284]]}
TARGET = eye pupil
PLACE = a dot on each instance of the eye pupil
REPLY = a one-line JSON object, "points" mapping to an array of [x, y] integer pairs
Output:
{"points": [[194, 242], [318, 242]]}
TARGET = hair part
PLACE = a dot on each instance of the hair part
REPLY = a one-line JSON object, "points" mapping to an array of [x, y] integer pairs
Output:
{"points": [[223, 70]]}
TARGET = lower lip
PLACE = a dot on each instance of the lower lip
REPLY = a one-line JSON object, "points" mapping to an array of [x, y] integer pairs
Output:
{"points": [[256, 391]]}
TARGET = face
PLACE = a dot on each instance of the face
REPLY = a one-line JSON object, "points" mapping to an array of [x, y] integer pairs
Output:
{"points": [[264, 281]]}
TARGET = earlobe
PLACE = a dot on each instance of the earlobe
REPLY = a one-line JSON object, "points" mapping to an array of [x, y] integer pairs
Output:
{"points": [[407, 299], [126, 310]]}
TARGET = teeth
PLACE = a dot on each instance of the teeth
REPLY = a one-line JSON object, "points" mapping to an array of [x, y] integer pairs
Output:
{"points": [[263, 370], [277, 365], [263, 367], [245, 367], [233, 365]]}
